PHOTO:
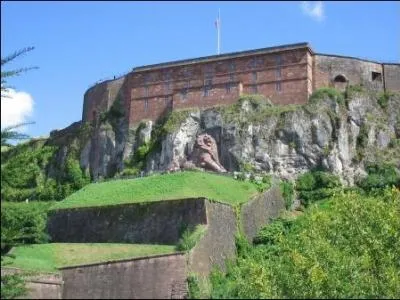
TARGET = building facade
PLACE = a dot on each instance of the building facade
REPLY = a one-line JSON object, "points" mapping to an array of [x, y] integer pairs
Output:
{"points": [[285, 74]]}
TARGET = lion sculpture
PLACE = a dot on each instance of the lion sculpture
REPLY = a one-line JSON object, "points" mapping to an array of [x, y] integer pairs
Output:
{"points": [[205, 154]]}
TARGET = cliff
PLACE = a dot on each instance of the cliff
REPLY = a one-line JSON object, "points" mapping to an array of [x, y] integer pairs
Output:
{"points": [[336, 131]]}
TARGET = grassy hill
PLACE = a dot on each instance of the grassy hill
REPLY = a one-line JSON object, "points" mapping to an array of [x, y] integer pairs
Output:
{"points": [[49, 257], [162, 187]]}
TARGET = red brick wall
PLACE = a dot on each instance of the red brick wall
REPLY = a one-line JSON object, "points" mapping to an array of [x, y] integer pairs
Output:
{"points": [[100, 97], [153, 86]]}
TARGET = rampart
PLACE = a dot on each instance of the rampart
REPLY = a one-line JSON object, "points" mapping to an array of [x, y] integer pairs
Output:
{"points": [[160, 222], [260, 211], [155, 277], [286, 74]]}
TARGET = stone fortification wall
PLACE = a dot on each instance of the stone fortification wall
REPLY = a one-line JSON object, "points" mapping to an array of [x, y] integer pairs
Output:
{"points": [[280, 75], [355, 71], [100, 97], [218, 243], [156, 277], [392, 76], [155, 222], [260, 211]]}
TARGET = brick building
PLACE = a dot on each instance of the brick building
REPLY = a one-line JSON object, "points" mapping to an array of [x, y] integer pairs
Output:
{"points": [[285, 74]]}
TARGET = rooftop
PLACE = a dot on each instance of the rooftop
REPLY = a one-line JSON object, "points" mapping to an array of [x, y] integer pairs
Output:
{"points": [[223, 56]]}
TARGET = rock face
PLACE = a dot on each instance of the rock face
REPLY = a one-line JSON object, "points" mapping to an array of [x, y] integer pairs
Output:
{"points": [[288, 142], [281, 140]]}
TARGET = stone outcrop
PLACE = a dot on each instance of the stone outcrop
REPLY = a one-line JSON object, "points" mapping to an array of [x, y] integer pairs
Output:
{"points": [[280, 140]]}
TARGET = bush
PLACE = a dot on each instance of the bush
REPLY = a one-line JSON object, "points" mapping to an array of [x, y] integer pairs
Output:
{"points": [[383, 99], [23, 223], [349, 250], [287, 191], [379, 177], [273, 233], [317, 185], [190, 237], [12, 286], [327, 92], [74, 174]]}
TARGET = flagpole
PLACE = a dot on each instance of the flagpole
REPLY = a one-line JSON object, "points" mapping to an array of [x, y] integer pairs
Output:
{"points": [[218, 30]]}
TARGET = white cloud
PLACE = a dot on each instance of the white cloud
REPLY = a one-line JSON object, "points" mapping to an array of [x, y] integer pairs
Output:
{"points": [[313, 9], [16, 108]]}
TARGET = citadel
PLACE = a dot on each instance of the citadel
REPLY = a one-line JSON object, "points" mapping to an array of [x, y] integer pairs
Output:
{"points": [[286, 74]]}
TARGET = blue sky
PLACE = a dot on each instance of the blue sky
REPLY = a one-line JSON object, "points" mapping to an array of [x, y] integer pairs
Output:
{"points": [[79, 43]]}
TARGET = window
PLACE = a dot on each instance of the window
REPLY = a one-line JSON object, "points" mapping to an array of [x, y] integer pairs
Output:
{"points": [[376, 76], [278, 72], [254, 89], [228, 87], [278, 87], [146, 104], [146, 78], [278, 59], [232, 67], [184, 94], [252, 63], [168, 101], [208, 71], [146, 91], [259, 62], [167, 87], [207, 86], [254, 77], [185, 90]]}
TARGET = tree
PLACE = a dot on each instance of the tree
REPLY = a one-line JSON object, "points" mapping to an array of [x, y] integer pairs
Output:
{"points": [[9, 133], [6, 74]]}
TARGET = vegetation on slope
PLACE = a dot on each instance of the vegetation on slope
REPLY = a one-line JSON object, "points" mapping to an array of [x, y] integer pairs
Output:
{"points": [[49, 257], [347, 249], [26, 168], [23, 223], [162, 187]]}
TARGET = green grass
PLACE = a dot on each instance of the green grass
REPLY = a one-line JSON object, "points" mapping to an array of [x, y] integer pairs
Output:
{"points": [[161, 187], [49, 257]]}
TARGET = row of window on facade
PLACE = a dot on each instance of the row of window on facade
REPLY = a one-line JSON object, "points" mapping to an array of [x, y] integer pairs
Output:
{"points": [[206, 93], [208, 84], [209, 70]]}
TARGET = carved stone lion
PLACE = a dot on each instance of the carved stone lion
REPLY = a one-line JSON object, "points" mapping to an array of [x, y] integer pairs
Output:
{"points": [[205, 154]]}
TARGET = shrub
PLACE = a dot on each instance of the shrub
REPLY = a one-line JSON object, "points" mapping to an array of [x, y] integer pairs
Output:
{"points": [[175, 119], [362, 141], [256, 100], [379, 177], [353, 89], [317, 185], [190, 237], [326, 92], [271, 234], [199, 287], [383, 99], [23, 223], [287, 190], [12, 286], [74, 174]]}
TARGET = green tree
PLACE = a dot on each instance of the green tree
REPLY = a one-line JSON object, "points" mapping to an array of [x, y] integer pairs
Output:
{"points": [[5, 74], [11, 285], [9, 133]]}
